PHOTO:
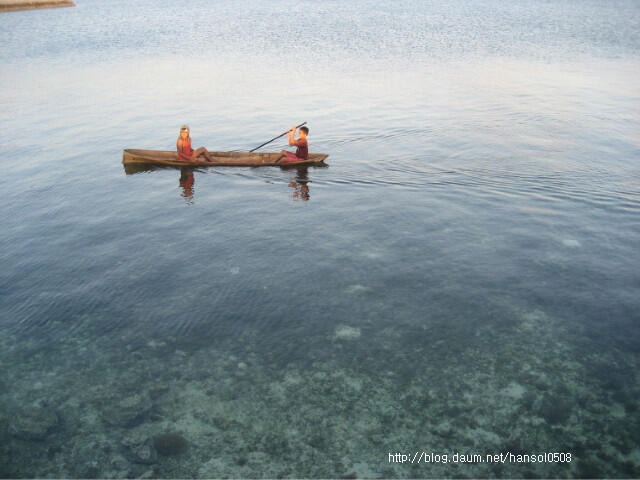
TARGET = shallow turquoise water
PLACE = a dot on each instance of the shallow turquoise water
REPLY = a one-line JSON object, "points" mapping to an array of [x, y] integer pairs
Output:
{"points": [[462, 277]]}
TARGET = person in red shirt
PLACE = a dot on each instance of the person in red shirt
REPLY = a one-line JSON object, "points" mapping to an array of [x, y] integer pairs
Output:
{"points": [[302, 152], [185, 152]]}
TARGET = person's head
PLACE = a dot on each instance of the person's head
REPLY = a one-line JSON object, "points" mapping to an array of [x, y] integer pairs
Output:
{"points": [[304, 131], [184, 132]]}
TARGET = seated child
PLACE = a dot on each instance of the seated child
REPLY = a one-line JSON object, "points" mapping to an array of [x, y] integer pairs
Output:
{"points": [[302, 152], [185, 152]]}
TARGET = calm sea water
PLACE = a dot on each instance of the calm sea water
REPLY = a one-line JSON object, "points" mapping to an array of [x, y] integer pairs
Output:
{"points": [[463, 277]]}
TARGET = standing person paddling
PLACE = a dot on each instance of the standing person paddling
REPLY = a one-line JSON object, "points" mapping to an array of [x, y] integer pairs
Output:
{"points": [[302, 152], [185, 152]]}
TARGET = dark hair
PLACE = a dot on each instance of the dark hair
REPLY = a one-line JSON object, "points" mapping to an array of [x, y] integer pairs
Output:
{"points": [[305, 130]]}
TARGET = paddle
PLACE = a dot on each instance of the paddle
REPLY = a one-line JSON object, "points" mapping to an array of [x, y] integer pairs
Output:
{"points": [[275, 138]]}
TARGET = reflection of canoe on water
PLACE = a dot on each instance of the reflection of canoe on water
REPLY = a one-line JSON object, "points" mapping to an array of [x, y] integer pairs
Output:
{"points": [[246, 159]]}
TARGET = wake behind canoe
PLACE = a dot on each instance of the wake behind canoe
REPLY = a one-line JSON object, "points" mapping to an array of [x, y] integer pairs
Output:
{"points": [[235, 159]]}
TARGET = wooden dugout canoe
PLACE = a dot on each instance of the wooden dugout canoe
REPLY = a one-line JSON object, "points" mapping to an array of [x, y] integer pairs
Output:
{"points": [[230, 159], [11, 5]]}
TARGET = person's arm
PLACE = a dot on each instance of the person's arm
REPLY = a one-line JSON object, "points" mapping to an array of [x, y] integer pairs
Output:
{"points": [[292, 137]]}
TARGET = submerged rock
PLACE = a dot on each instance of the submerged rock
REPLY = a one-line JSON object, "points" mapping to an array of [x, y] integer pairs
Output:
{"points": [[356, 289], [33, 423], [215, 467], [128, 411], [555, 410], [156, 344], [169, 444], [361, 470], [138, 447], [514, 390], [344, 332], [571, 243], [3, 424], [118, 467], [90, 469]]}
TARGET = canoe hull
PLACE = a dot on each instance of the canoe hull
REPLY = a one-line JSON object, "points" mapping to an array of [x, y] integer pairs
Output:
{"points": [[227, 159]]}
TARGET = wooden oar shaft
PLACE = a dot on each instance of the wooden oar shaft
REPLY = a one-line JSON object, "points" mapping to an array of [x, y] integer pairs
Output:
{"points": [[275, 138]]}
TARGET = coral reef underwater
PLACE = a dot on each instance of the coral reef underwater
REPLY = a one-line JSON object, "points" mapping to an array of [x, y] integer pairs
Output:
{"points": [[100, 407]]}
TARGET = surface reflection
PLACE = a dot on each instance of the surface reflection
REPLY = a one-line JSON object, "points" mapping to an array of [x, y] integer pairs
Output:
{"points": [[187, 180], [300, 184], [299, 179]]}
